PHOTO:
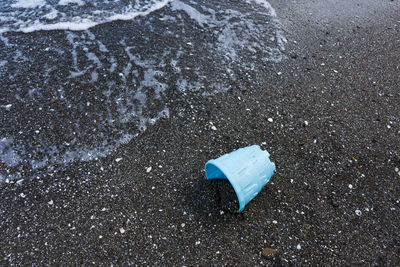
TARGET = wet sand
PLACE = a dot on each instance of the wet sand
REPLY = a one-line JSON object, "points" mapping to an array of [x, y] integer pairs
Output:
{"points": [[335, 139]]}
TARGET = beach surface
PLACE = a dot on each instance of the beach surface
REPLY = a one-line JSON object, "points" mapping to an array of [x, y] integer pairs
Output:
{"points": [[327, 109]]}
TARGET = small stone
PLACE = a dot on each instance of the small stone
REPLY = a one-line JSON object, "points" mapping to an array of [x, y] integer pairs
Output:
{"points": [[22, 195], [274, 222], [322, 64], [100, 236], [358, 212], [350, 186], [213, 128], [279, 73], [305, 123], [270, 119], [183, 225], [266, 252], [148, 169], [298, 247], [118, 159], [335, 71], [51, 202], [197, 243], [121, 230]]}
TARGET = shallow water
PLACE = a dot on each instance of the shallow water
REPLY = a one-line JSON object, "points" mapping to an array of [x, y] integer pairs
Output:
{"points": [[78, 92]]}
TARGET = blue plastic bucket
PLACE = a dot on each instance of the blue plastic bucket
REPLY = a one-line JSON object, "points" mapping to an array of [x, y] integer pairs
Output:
{"points": [[248, 170]]}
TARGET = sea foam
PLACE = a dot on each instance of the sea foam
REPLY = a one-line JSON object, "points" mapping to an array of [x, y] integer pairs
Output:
{"points": [[68, 96]]}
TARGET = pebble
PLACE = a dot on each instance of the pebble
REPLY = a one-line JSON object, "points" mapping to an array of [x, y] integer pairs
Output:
{"points": [[268, 252], [148, 169], [270, 119], [350, 186], [51, 202], [213, 128], [358, 212], [7, 107], [274, 222], [298, 246], [305, 123], [121, 230], [118, 159]]}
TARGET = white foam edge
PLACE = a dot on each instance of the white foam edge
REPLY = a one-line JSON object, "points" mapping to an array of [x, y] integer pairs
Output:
{"points": [[85, 23]]}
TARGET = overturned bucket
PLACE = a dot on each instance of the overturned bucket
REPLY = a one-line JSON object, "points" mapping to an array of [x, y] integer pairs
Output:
{"points": [[248, 170]]}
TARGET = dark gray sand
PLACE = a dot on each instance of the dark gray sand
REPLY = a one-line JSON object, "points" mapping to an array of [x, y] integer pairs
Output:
{"points": [[335, 139]]}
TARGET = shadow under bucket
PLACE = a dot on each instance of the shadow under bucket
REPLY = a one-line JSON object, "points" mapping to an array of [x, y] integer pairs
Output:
{"points": [[248, 170]]}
